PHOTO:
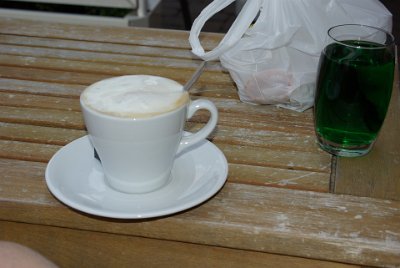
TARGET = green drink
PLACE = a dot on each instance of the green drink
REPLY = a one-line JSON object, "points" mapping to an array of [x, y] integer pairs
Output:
{"points": [[354, 87]]}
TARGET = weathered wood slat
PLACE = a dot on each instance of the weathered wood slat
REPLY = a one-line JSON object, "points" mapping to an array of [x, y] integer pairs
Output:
{"points": [[225, 104], [27, 151], [111, 69], [281, 178], [224, 135], [265, 131], [39, 134], [68, 84], [261, 122], [40, 88], [109, 250], [96, 46], [230, 115], [134, 36], [266, 219], [50, 76], [265, 138], [75, 78], [267, 120], [235, 154], [23, 181], [155, 60], [37, 101], [42, 117], [275, 158], [74, 119]]}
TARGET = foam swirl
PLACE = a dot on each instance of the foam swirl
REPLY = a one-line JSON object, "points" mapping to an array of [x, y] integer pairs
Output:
{"points": [[135, 96]]}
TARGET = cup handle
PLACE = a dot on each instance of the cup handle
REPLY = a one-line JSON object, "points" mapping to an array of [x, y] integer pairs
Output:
{"points": [[193, 139]]}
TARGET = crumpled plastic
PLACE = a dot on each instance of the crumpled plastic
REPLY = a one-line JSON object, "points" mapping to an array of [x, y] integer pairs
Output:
{"points": [[275, 59]]}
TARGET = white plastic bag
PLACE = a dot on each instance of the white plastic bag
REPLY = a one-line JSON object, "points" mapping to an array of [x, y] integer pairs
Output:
{"points": [[275, 61]]}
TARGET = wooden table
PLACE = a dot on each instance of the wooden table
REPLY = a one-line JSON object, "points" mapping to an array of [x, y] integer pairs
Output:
{"points": [[277, 209]]}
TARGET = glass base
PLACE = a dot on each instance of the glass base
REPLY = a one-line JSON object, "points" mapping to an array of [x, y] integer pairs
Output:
{"points": [[339, 150]]}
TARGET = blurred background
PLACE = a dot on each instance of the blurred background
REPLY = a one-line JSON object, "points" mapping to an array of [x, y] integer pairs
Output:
{"points": [[170, 14], [167, 14]]}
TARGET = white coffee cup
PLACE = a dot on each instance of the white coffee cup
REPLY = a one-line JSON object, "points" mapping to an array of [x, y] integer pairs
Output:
{"points": [[137, 146]]}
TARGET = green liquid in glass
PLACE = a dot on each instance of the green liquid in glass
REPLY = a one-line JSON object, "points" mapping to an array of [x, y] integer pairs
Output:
{"points": [[353, 92]]}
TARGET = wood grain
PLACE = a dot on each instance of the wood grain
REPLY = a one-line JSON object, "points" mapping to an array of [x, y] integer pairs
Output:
{"points": [[130, 36], [274, 210], [264, 219], [110, 250]]}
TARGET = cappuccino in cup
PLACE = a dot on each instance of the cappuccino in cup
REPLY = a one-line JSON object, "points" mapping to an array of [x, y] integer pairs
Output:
{"points": [[136, 123], [135, 96]]}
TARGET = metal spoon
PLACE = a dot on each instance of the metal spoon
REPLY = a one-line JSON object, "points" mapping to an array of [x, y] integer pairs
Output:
{"points": [[195, 76]]}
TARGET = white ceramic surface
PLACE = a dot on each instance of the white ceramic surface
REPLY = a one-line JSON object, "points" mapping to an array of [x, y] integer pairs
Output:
{"points": [[137, 153], [75, 177]]}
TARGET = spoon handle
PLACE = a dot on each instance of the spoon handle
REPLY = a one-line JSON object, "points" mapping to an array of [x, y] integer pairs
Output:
{"points": [[195, 76]]}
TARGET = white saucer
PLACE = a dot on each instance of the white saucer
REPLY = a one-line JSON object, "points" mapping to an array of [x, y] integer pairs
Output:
{"points": [[75, 177]]}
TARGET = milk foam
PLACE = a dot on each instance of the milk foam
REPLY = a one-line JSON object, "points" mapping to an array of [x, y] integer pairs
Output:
{"points": [[135, 96]]}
